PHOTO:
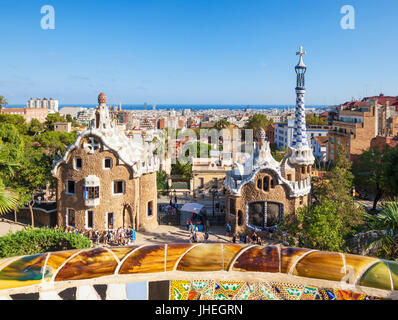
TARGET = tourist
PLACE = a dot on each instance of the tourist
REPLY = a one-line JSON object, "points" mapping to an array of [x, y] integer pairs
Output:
{"points": [[228, 230], [206, 236], [259, 241], [254, 237], [234, 239], [247, 239]]}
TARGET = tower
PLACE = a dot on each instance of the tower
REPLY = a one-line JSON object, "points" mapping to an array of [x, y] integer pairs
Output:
{"points": [[299, 152]]}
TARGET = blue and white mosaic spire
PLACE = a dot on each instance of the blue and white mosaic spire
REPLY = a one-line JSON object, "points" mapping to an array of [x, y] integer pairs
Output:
{"points": [[300, 132]]}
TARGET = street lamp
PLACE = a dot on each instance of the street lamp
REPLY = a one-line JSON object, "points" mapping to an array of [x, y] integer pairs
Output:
{"points": [[214, 193]]}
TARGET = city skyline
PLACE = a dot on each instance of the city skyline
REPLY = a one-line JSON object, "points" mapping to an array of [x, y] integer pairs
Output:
{"points": [[207, 53]]}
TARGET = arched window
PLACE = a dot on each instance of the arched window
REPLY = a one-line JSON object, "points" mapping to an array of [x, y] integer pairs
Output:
{"points": [[259, 183]]}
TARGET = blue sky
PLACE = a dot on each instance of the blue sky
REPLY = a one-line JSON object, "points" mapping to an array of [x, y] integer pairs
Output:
{"points": [[197, 51]]}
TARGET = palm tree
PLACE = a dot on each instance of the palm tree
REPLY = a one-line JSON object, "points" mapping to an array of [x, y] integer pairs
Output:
{"points": [[8, 201], [386, 226], [8, 198]]}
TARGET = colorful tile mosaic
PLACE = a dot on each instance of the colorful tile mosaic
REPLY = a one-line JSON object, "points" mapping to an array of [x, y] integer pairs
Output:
{"points": [[62, 267]]}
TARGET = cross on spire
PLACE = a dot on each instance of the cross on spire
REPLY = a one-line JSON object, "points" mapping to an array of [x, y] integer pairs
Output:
{"points": [[301, 52]]}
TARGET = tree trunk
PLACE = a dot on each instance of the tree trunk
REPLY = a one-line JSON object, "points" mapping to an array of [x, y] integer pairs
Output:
{"points": [[15, 215], [31, 214], [376, 199]]}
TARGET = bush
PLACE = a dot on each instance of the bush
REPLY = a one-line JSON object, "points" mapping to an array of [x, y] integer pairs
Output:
{"points": [[34, 241]]}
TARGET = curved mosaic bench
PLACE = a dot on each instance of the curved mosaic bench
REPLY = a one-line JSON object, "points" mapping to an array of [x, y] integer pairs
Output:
{"points": [[198, 271]]}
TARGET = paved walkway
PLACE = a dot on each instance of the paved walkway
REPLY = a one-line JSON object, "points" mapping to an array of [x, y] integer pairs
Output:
{"points": [[6, 227]]}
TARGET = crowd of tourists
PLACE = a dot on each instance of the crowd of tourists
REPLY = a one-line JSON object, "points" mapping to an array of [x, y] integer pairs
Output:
{"points": [[120, 236]]}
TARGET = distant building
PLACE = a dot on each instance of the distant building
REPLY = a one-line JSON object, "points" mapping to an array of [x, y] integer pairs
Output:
{"points": [[28, 113], [381, 142], [51, 105], [283, 133], [320, 148], [63, 126]]}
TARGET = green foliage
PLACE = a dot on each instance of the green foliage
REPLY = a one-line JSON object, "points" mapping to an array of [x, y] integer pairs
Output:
{"points": [[53, 141], [16, 120], [386, 225], [34, 241], [312, 119], [319, 227], [197, 150], [184, 169], [12, 141], [221, 124], [35, 127], [258, 121], [53, 118], [390, 162], [161, 179]]}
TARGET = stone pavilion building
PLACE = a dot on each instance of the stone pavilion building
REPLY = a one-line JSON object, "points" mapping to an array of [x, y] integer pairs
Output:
{"points": [[262, 191], [106, 180]]}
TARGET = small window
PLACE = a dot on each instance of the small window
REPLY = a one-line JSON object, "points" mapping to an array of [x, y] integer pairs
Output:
{"points": [[78, 163], [118, 187], [89, 219], [70, 218], [303, 169], [91, 193], [70, 187], [259, 185], [150, 208], [109, 220], [108, 163], [289, 177], [301, 200], [240, 218]]}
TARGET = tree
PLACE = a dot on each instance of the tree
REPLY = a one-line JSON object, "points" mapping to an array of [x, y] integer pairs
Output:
{"points": [[200, 149], [3, 101], [182, 169], [318, 227], [53, 118], [312, 119], [258, 121], [16, 120], [386, 225], [35, 127], [370, 172], [221, 124], [391, 171], [161, 180], [33, 175], [52, 141], [337, 189]]}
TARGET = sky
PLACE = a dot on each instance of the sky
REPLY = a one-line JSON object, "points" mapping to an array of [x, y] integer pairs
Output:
{"points": [[197, 51]]}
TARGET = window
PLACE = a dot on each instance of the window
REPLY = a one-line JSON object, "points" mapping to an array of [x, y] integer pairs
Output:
{"points": [[240, 218], [107, 163], [266, 184], [89, 219], [232, 208], [109, 220], [289, 177], [347, 143], [150, 208], [70, 218], [78, 163], [91, 193], [332, 140], [70, 187], [259, 183], [303, 169], [118, 187], [202, 182], [301, 200]]}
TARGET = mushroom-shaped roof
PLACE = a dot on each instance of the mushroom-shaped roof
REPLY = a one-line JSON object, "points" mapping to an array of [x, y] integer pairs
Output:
{"points": [[101, 98], [261, 133]]}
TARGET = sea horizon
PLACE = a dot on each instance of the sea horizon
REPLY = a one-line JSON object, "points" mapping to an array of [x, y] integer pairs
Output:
{"points": [[184, 106]]}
